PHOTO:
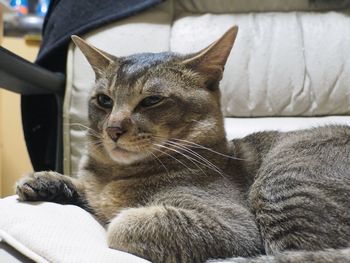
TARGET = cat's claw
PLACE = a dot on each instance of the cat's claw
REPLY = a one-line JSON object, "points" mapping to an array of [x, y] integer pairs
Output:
{"points": [[44, 186]]}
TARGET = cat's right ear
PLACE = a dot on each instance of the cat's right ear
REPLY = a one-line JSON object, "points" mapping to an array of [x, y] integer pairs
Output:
{"points": [[98, 59], [210, 62]]}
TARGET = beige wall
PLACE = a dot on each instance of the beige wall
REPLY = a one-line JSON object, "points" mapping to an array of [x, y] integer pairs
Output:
{"points": [[14, 159]]}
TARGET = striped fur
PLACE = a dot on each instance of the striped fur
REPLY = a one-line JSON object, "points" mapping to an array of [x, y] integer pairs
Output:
{"points": [[301, 193]]}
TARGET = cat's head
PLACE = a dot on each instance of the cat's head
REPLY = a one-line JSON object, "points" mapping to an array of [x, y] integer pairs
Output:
{"points": [[142, 103]]}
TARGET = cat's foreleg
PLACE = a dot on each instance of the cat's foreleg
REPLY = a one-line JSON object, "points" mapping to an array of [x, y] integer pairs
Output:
{"points": [[50, 186], [166, 234]]}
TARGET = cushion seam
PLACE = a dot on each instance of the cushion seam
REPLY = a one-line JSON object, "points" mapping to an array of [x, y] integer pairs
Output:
{"points": [[20, 247]]}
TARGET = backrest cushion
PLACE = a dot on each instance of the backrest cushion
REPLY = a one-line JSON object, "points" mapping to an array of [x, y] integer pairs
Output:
{"points": [[283, 64]]}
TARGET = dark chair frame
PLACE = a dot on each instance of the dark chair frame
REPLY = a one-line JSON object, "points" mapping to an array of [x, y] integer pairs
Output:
{"points": [[37, 85]]}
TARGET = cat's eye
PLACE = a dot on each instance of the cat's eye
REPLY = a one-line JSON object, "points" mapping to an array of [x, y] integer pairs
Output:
{"points": [[104, 101], [151, 100]]}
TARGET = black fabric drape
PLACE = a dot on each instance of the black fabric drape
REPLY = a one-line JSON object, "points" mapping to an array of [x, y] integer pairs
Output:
{"points": [[68, 17]]}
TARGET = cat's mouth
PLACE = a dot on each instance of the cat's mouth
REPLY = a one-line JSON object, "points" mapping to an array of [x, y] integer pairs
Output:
{"points": [[120, 149], [124, 156]]}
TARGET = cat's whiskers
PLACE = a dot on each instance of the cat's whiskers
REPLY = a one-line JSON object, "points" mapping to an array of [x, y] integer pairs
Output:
{"points": [[173, 157], [85, 128], [97, 141], [193, 153], [191, 159], [156, 158], [206, 163], [93, 135], [196, 145], [205, 124], [94, 146]]}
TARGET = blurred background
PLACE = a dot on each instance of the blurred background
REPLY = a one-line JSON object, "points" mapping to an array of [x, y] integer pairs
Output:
{"points": [[20, 27]]}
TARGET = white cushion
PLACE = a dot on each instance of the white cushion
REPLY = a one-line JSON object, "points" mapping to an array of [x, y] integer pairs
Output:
{"points": [[49, 232], [240, 127], [282, 64]]}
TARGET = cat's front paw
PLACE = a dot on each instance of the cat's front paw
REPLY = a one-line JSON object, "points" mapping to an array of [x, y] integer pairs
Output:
{"points": [[44, 186], [155, 233], [135, 231]]}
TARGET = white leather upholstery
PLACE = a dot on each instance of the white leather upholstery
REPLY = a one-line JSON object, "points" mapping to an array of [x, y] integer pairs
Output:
{"points": [[284, 64], [49, 232], [240, 127]]}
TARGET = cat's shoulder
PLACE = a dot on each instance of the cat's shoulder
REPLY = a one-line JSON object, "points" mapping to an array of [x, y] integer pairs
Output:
{"points": [[259, 144], [313, 141], [258, 141], [314, 135]]}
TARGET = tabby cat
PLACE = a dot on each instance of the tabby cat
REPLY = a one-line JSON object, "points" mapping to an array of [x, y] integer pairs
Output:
{"points": [[161, 176]]}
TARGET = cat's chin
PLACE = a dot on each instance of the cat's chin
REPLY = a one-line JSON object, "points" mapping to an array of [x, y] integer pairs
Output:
{"points": [[125, 157]]}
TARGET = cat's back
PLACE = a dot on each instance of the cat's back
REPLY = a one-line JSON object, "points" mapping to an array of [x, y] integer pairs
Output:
{"points": [[301, 192], [323, 151]]}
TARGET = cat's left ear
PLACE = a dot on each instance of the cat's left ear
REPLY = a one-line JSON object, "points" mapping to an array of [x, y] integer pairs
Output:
{"points": [[98, 59], [210, 62]]}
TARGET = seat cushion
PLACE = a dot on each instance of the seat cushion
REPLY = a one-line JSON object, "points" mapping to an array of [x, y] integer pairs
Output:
{"points": [[240, 127], [49, 232]]}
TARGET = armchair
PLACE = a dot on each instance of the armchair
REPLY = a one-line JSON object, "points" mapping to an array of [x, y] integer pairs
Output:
{"points": [[290, 69]]}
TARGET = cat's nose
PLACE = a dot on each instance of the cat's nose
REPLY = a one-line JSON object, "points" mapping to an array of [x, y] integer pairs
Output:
{"points": [[115, 132]]}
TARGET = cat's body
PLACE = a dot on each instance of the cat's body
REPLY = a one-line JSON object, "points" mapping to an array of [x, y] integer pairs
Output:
{"points": [[189, 208], [139, 185], [301, 192], [160, 174]]}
